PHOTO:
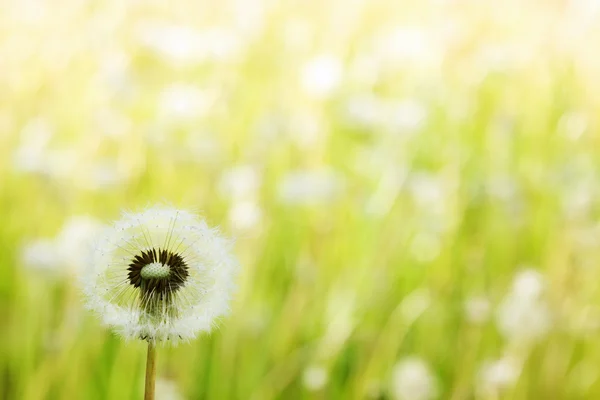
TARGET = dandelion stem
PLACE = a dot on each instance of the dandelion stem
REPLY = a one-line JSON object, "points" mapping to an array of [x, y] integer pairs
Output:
{"points": [[150, 372]]}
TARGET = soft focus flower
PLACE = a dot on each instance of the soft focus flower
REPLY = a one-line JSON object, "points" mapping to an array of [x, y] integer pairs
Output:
{"points": [[498, 375], [240, 182], [181, 102], [477, 309], [524, 316], [31, 154], [322, 75], [183, 45], [245, 215], [413, 380], [167, 389], [315, 377], [160, 274], [306, 187], [41, 255], [67, 252], [76, 239], [405, 116]]}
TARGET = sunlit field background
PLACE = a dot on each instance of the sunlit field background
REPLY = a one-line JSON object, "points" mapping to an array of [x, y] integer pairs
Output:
{"points": [[412, 188]]}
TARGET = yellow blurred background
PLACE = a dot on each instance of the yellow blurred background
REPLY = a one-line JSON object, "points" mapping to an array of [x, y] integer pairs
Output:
{"points": [[412, 188]]}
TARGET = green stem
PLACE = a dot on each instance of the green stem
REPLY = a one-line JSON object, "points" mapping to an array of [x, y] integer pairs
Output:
{"points": [[150, 372]]}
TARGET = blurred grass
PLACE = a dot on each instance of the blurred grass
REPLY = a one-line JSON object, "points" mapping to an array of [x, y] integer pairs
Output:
{"points": [[486, 163]]}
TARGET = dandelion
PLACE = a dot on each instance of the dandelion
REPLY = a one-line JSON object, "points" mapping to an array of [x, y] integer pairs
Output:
{"points": [[245, 215], [322, 75], [161, 274], [41, 255], [167, 389], [315, 377], [412, 379], [477, 309], [310, 187], [180, 102], [498, 375], [524, 315]]}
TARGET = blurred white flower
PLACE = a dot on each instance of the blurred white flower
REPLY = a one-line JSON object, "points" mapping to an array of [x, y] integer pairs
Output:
{"points": [[427, 189], [41, 255], [523, 315], [31, 153], [66, 253], [310, 187], [114, 73], [322, 75], [161, 274], [245, 215], [477, 309], [102, 174], [111, 122], [498, 375], [240, 182], [528, 283], [183, 45], [407, 46], [365, 110], [573, 125], [315, 377], [167, 389], [405, 116], [306, 129], [183, 102], [203, 148], [76, 239], [413, 380]]}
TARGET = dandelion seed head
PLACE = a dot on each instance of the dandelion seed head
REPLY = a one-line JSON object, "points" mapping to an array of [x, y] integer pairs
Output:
{"points": [[315, 377], [161, 274], [412, 379]]}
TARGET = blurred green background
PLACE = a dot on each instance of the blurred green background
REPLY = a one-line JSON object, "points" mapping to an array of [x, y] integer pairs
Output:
{"points": [[412, 187]]}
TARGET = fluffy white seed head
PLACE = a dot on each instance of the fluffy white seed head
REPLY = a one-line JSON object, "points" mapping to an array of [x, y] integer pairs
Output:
{"points": [[161, 274], [412, 379]]}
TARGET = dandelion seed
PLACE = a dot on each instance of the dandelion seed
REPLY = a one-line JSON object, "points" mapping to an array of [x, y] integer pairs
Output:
{"points": [[161, 274]]}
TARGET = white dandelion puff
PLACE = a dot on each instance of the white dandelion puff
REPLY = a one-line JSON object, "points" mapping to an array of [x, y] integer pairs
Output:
{"points": [[322, 75], [161, 274], [524, 314], [315, 377], [412, 379]]}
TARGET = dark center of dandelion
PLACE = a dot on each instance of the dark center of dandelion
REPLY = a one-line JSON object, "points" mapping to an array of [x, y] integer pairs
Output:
{"points": [[158, 273]]}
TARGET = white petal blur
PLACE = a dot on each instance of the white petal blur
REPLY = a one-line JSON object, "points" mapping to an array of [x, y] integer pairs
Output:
{"points": [[524, 314], [185, 288], [497, 376], [315, 377], [412, 379]]}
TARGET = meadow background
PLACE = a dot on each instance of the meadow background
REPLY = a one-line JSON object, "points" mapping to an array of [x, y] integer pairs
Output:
{"points": [[412, 186]]}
